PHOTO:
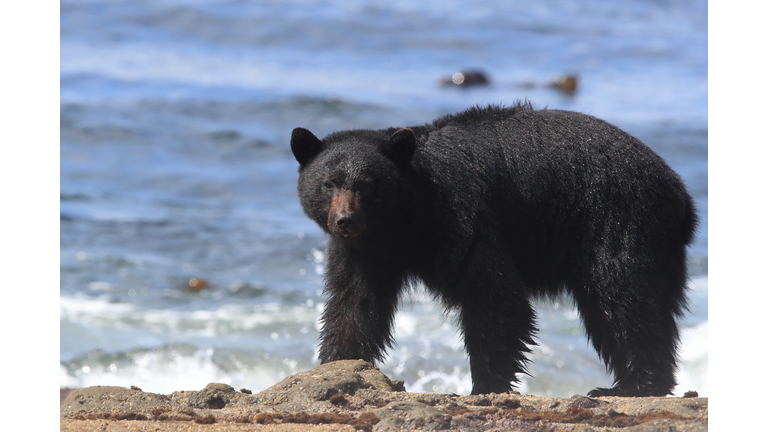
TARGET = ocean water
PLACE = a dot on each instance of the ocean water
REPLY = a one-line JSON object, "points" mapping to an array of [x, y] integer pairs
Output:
{"points": [[175, 122]]}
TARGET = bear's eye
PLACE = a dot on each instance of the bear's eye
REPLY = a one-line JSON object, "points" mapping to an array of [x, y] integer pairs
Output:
{"points": [[328, 185]]}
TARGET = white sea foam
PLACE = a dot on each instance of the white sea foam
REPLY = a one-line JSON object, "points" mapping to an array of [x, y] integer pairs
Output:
{"points": [[163, 371], [257, 346], [100, 312], [693, 373]]}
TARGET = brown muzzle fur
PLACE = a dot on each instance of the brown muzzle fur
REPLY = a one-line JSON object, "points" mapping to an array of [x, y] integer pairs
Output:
{"points": [[345, 217]]}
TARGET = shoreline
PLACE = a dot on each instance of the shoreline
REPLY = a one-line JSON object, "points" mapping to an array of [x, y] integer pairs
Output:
{"points": [[353, 395]]}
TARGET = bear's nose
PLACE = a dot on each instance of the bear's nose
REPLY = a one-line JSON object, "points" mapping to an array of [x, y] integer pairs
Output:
{"points": [[348, 224], [345, 217], [345, 221]]}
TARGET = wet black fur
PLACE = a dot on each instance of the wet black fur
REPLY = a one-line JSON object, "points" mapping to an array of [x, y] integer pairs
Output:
{"points": [[495, 206]]}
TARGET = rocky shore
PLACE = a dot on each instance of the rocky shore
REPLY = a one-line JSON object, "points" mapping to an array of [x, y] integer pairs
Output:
{"points": [[352, 395]]}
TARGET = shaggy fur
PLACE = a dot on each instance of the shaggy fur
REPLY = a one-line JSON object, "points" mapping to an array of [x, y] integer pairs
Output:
{"points": [[490, 208]]}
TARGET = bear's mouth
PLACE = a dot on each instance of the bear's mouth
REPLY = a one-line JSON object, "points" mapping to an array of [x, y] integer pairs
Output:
{"points": [[344, 235]]}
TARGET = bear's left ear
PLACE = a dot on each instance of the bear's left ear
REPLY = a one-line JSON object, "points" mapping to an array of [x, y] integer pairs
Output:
{"points": [[400, 146], [304, 145]]}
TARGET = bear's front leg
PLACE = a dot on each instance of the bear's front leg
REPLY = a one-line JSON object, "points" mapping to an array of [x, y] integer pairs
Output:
{"points": [[363, 293]]}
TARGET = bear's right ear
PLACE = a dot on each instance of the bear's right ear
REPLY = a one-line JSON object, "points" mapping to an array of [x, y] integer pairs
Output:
{"points": [[304, 145]]}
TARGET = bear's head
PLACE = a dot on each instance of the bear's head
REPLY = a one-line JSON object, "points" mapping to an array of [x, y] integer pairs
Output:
{"points": [[355, 184]]}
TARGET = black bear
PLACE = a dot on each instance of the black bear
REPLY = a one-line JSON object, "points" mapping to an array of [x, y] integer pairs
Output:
{"points": [[490, 208]]}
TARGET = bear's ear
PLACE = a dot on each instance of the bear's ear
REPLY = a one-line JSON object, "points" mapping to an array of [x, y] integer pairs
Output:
{"points": [[304, 145], [400, 146]]}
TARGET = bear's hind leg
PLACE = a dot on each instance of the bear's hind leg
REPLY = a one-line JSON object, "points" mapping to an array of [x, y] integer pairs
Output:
{"points": [[629, 314]]}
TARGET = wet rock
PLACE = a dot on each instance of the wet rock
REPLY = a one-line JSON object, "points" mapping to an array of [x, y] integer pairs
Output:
{"points": [[583, 429], [666, 426], [213, 396], [411, 415], [327, 380], [513, 402], [109, 398], [685, 407], [433, 399], [584, 402], [466, 79], [478, 400]]}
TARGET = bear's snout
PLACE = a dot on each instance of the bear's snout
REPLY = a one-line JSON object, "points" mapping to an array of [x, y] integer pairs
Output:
{"points": [[348, 225], [345, 218]]}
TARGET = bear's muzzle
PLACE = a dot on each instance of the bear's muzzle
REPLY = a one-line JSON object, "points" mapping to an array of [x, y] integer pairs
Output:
{"points": [[345, 217]]}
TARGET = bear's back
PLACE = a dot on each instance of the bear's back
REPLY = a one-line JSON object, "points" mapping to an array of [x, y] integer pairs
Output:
{"points": [[530, 152], [546, 178]]}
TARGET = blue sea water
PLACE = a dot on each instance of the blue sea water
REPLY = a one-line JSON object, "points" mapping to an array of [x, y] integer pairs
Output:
{"points": [[175, 122]]}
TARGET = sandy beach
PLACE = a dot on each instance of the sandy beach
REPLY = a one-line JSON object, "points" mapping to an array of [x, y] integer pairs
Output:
{"points": [[353, 395]]}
